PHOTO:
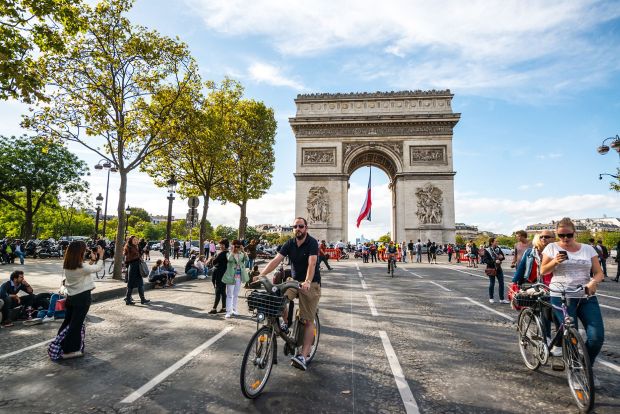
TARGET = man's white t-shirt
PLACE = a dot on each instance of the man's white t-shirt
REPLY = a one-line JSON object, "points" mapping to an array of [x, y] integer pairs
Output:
{"points": [[572, 272]]}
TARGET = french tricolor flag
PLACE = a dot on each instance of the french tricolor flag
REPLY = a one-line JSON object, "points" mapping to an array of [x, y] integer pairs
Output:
{"points": [[366, 208]]}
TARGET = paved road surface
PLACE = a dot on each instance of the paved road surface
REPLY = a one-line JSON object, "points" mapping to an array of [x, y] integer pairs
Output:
{"points": [[415, 342]]}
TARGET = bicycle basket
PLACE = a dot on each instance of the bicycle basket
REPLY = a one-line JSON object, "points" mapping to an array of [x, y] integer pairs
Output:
{"points": [[525, 300], [263, 302]]}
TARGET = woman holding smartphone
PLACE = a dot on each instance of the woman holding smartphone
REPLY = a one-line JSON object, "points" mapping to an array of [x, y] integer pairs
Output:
{"points": [[79, 283], [571, 263]]}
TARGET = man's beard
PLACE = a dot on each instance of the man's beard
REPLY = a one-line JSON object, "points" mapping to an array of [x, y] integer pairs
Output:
{"points": [[299, 235]]}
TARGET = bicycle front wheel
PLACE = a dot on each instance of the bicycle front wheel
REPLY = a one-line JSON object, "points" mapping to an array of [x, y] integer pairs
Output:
{"points": [[530, 338], [578, 369], [257, 362]]}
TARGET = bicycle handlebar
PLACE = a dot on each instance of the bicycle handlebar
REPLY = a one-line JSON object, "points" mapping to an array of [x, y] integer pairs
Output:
{"points": [[271, 288], [565, 291]]}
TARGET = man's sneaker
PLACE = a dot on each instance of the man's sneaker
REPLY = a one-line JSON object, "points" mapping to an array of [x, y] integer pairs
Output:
{"points": [[556, 351], [299, 362], [491, 300], [504, 301], [48, 319], [284, 327]]}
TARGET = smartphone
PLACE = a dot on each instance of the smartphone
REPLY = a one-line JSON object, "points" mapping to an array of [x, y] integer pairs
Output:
{"points": [[563, 253]]}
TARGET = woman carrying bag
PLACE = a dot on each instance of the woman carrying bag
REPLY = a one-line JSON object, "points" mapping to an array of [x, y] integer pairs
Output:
{"points": [[69, 342], [134, 277], [236, 273]]}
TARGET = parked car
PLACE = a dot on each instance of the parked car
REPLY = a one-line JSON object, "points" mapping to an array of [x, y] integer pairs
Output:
{"points": [[507, 250]]}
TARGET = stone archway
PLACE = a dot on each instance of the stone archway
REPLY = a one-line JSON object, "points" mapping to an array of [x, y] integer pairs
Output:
{"points": [[406, 134]]}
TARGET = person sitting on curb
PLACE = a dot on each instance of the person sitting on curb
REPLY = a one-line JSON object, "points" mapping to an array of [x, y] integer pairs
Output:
{"points": [[190, 268], [169, 271], [199, 264], [9, 293], [157, 275]]}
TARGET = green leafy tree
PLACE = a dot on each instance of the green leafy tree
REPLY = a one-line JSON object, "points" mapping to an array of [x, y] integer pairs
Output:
{"points": [[250, 157], [199, 144], [140, 214], [115, 89], [29, 30], [460, 240], [386, 238], [34, 173], [225, 232]]}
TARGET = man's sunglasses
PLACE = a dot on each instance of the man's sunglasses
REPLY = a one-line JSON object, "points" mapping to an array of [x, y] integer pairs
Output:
{"points": [[546, 237], [567, 235], [299, 226]]}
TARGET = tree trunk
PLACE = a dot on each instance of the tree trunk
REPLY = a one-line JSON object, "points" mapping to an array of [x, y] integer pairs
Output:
{"points": [[203, 220], [243, 220], [120, 229], [28, 216]]}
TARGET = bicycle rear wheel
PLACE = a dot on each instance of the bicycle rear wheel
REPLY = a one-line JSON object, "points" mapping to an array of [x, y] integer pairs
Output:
{"points": [[257, 362], [531, 336], [578, 369]]}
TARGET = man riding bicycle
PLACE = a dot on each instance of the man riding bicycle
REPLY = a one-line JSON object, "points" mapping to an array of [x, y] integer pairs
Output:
{"points": [[391, 252], [302, 251]]}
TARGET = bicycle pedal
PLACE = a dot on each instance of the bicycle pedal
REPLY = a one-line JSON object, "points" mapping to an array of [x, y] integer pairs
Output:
{"points": [[558, 366]]}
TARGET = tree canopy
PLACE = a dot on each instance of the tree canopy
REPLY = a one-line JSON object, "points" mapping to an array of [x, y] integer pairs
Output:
{"points": [[34, 173], [29, 30]]}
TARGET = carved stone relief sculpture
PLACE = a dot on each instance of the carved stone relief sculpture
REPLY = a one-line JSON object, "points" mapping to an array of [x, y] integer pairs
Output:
{"points": [[319, 156], [427, 155], [318, 205], [430, 208]]}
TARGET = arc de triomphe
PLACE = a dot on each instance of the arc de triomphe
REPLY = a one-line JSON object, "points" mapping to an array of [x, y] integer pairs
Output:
{"points": [[406, 134]]}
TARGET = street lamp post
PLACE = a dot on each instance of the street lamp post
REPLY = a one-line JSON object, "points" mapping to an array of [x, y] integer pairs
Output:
{"points": [[127, 214], [99, 199], [172, 184], [604, 149], [108, 166]]}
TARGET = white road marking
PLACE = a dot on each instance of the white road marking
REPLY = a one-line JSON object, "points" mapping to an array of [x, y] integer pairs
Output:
{"points": [[608, 364], [607, 296], [462, 271], [357, 266], [503, 315], [416, 275], [174, 367], [19, 351], [437, 284], [359, 274], [411, 406], [608, 307], [364, 284], [371, 305]]}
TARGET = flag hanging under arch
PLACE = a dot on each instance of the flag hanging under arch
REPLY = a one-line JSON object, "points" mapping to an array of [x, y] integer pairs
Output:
{"points": [[366, 207]]}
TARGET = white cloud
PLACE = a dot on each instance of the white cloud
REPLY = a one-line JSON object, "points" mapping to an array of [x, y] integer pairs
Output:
{"points": [[265, 73], [549, 46], [550, 156], [524, 187]]}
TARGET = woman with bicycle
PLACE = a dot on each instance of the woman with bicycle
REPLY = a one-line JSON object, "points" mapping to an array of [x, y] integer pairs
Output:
{"points": [[571, 263]]}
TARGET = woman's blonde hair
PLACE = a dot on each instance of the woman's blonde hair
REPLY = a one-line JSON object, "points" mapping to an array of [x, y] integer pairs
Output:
{"points": [[565, 222], [537, 242]]}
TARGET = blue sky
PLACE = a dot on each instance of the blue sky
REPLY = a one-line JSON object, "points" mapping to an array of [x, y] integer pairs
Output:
{"points": [[537, 84]]}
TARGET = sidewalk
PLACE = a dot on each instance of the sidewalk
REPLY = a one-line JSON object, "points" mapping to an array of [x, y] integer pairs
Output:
{"points": [[45, 275]]}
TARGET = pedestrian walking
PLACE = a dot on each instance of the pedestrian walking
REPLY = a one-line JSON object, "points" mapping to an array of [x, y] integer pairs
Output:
{"points": [[212, 249], [603, 256], [134, 278], [141, 246], [177, 248], [428, 250], [432, 250], [418, 252], [410, 249], [403, 247], [493, 258], [373, 252], [236, 273], [250, 249], [220, 264], [79, 283], [323, 256], [450, 251]]}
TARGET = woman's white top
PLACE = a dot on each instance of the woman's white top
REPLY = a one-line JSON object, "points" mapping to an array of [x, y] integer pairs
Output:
{"points": [[572, 272], [80, 280]]}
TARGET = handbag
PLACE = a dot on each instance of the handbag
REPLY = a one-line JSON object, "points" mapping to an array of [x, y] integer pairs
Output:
{"points": [[144, 269], [60, 305], [491, 271]]}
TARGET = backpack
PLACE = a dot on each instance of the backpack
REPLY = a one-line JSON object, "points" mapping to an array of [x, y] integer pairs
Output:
{"points": [[54, 350]]}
